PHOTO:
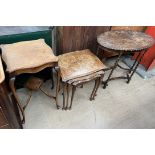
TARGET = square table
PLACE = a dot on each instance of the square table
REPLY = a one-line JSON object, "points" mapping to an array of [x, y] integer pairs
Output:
{"points": [[26, 57]]}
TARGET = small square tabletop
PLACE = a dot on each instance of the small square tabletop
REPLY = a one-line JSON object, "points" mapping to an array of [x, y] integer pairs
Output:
{"points": [[27, 55], [79, 63]]}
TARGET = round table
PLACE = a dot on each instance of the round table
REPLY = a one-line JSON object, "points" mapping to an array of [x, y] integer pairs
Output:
{"points": [[121, 42]]}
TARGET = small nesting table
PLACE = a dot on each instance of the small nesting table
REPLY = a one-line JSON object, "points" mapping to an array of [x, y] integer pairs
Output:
{"points": [[121, 42], [77, 68]]}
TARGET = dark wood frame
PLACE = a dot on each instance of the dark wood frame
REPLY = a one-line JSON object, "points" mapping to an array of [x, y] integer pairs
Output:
{"points": [[12, 77], [66, 87]]}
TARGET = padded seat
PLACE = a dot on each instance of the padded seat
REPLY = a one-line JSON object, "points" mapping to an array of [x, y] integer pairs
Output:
{"points": [[27, 55], [79, 63]]}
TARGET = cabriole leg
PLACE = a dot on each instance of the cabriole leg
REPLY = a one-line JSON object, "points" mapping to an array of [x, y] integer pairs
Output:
{"points": [[12, 86], [73, 92], [92, 94]]}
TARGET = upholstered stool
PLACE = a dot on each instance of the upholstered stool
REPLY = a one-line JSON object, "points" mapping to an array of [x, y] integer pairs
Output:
{"points": [[26, 57], [77, 68]]}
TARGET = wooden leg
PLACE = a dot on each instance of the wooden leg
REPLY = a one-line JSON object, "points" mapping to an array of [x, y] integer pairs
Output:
{"points": [[15, 107], [12, 86], [73, 92], [99, 81], [52, 78], [57, 89], [95, 89], [92, 94], [68, 90], [64, 101]]}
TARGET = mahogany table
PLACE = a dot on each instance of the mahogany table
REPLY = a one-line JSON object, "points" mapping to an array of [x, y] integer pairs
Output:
{"points": [[121, 42]]}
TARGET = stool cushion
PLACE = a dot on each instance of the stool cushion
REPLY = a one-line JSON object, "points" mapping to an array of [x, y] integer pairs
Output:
{"points": [[2, 77], [79, 63], [27, 55]]}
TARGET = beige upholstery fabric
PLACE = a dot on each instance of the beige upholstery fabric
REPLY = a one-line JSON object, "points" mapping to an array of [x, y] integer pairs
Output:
{"points": [[27, 55], [79, 63], [2, 77]]}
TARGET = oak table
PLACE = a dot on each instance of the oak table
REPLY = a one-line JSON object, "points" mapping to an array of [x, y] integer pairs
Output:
{"points": [[121, 42]]}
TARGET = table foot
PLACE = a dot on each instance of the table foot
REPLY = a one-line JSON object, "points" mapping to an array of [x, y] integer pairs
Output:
{"points": [[58, 107], [105, 84], [91, 99], [69, 108], [128, 78]]}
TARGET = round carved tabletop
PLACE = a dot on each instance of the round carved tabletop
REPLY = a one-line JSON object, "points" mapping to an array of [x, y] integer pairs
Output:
{"points": [[125, 40]]}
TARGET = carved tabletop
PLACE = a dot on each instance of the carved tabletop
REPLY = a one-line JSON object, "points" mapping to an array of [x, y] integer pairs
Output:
{"points": [[2, 77], [125, 40]]}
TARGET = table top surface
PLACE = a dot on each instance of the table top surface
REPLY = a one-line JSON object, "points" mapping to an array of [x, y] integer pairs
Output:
{"points": [[79, 63], [1, 72], [125, 40], [27, 55]]}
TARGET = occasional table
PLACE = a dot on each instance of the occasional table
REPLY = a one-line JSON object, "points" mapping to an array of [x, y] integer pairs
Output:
{"points": [[26, 57], [77, 68], [122, 42]]}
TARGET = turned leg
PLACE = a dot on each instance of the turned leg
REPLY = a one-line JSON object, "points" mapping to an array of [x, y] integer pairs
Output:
{"points": [[12, 86], [73, 92]]}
